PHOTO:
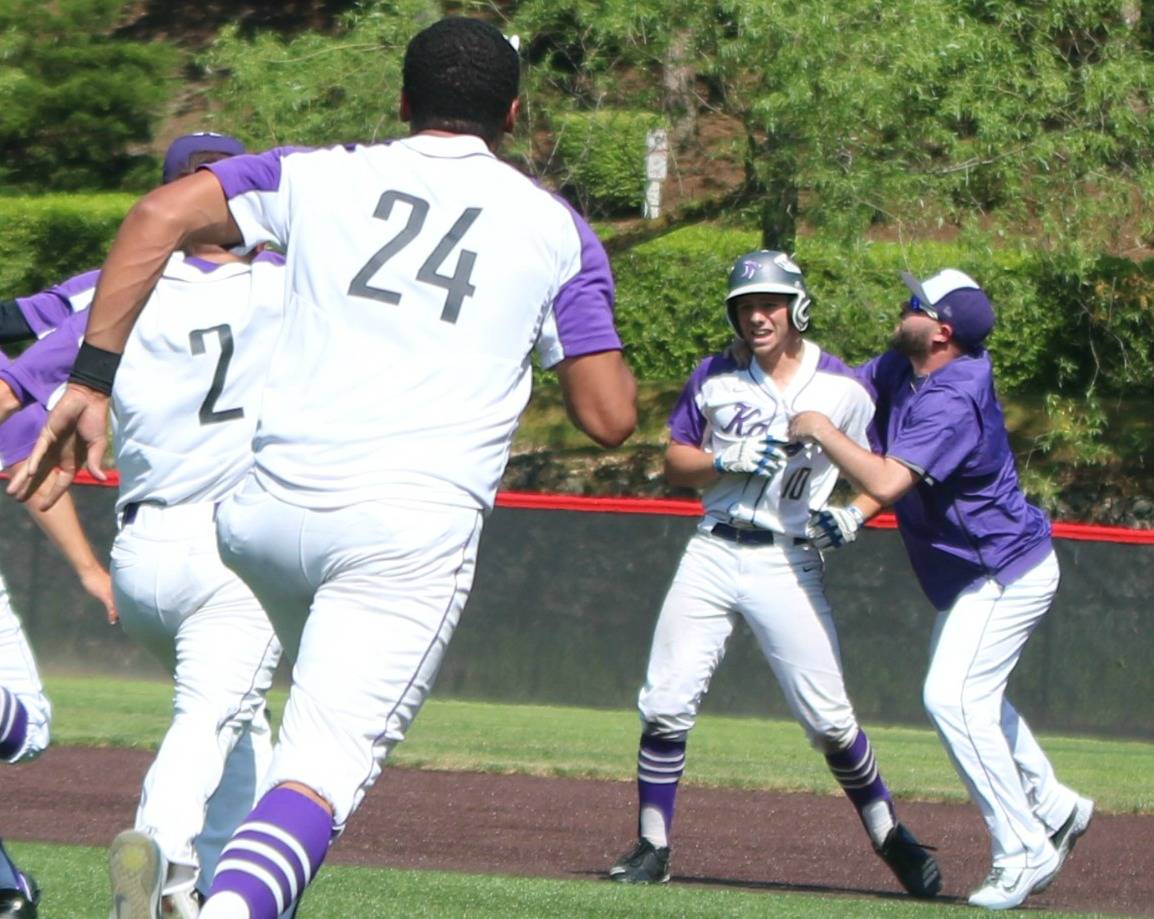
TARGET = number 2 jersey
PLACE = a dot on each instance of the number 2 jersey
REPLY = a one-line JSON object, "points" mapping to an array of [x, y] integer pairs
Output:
{"points": [[724, 403], [422, 275], [187, 393]]}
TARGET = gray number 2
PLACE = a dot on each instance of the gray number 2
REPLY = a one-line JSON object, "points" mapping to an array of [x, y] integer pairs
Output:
{"points": [[208, 412]]}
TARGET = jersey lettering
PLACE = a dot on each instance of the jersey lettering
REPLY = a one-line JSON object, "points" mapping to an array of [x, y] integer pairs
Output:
{"points": [[208, 412], [456, 285]]}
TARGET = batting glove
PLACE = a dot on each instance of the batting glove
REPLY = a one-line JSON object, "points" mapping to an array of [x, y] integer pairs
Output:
{"points": [[834, 526], [761, 456]]}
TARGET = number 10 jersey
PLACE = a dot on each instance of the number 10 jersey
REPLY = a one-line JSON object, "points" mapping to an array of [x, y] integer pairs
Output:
{"points": [[723, 403]]}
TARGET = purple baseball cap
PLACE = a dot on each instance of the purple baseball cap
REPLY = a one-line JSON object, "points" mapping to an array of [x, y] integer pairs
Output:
{"points": [[184, 148], [953, 297]]}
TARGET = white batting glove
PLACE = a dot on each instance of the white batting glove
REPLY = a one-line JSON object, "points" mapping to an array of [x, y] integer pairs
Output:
{"points": [[761, 456], [834, 526]]}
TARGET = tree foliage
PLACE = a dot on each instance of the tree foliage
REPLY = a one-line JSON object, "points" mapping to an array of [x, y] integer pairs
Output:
{"points": [[905, 112], [316, 89], [76, 99]]}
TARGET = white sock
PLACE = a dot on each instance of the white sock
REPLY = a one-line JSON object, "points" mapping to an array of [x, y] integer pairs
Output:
{"points": [[878, 818], [653, 826]]}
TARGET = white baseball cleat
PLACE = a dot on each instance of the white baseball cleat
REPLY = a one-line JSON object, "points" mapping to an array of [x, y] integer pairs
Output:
{"points": [[137, 870], [1068, 833], [1007, 888]]}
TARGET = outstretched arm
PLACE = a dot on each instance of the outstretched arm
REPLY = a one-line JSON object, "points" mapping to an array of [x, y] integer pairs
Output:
{"points": [[62, 526], [881, 478], [192, 209], [600, 396]]}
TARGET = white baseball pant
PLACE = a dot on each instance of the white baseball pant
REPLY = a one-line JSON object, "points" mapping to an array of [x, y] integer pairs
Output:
{"points": [[199, 619], [18, 674], [975, 647], [778, 589], [366, 598]]}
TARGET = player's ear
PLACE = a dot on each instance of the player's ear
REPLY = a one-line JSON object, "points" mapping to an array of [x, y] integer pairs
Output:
{"points": [[511, 116], [405, 112]]}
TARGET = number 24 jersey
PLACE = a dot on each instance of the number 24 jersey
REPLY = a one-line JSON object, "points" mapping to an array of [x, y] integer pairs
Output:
{"points": [[422, 275]]}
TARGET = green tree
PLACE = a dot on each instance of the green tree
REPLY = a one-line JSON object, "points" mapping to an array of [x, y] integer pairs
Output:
{"points": [[317, 89], [907, 112], [76, 99]]}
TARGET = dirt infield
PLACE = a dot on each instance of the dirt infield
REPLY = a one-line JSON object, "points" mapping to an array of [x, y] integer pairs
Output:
{"points": [[574, 828]]}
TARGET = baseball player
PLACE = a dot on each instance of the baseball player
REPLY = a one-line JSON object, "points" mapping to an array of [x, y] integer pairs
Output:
{"points": [[983, 556], [25, 711], [184, 414], [753, 556], [422, 275]]}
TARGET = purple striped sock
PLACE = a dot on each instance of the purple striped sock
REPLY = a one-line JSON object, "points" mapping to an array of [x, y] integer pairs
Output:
{"points": [[660, 764], [13, 725], [857, 772], [275, 853]]}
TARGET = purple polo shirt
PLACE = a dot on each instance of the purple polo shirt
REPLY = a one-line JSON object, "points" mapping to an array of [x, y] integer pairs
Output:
{"points": [[18, 434], [966, 520], [44, 311]]}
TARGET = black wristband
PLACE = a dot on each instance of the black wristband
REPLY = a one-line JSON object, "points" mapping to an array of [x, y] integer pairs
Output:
{"points": [[95, 368], [13, 325]]}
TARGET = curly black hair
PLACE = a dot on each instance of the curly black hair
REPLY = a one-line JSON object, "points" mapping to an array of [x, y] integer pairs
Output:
{"points": [[461, 75]]}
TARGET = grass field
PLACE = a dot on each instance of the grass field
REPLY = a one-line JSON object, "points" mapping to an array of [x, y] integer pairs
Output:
{"points": [[727, 752]]}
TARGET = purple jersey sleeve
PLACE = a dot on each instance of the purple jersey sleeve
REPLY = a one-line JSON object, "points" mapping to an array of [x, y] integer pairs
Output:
{"points": [[687, 422], [251, 184], [583, 306], [18, 434], [937, 434], [46, 310], [37, 373]]}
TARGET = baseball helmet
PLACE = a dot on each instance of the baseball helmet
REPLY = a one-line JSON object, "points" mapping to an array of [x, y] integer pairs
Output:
{"points": [[765, 271]]}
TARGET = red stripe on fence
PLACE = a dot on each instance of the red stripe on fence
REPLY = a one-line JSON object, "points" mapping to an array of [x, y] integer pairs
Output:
{"points": [[689, 507]]}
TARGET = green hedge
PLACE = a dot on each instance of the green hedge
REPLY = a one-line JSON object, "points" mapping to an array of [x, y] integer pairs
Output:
{"points": [[1065, 321], [603, 155], [44, 240]]}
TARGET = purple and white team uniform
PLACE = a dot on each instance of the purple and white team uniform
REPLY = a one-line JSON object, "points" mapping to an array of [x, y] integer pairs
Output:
{"points": [[184, 412], [423, 274], [25, 712], [983, 556], [750, 558], [46, 310]]}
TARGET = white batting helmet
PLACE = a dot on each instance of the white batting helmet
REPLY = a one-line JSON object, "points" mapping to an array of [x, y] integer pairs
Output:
{"points": [[765, 271]]}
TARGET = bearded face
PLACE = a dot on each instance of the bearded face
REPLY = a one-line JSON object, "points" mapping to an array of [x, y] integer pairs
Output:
{"points": [[912, 338]]}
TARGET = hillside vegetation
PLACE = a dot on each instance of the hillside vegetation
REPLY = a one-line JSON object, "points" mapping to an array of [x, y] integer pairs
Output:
{"points": [[1010, 138]]}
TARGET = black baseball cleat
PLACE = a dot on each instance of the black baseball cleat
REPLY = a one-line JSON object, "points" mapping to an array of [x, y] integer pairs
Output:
{"points": [[17, 903], [916, 870], [643, 864]]}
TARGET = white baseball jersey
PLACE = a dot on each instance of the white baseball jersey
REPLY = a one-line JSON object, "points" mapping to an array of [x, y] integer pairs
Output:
{"points": [[723, 403], [422, 274], [187, 394]]}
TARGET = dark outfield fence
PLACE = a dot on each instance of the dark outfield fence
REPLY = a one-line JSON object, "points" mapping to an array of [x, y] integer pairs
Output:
{"points": [[568, 589]]}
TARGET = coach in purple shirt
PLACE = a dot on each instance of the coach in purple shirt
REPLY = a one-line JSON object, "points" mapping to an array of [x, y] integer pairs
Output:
{"points": [[982, 554]]}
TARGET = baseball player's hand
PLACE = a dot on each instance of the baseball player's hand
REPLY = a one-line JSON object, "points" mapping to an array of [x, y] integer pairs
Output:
{"points": [[74, 437], [98, 585], [762, 456], [808, 426], [834, 526]]}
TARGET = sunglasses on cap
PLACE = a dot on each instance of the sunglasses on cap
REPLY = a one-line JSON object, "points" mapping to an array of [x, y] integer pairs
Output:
{"points": [[915, 305]]}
